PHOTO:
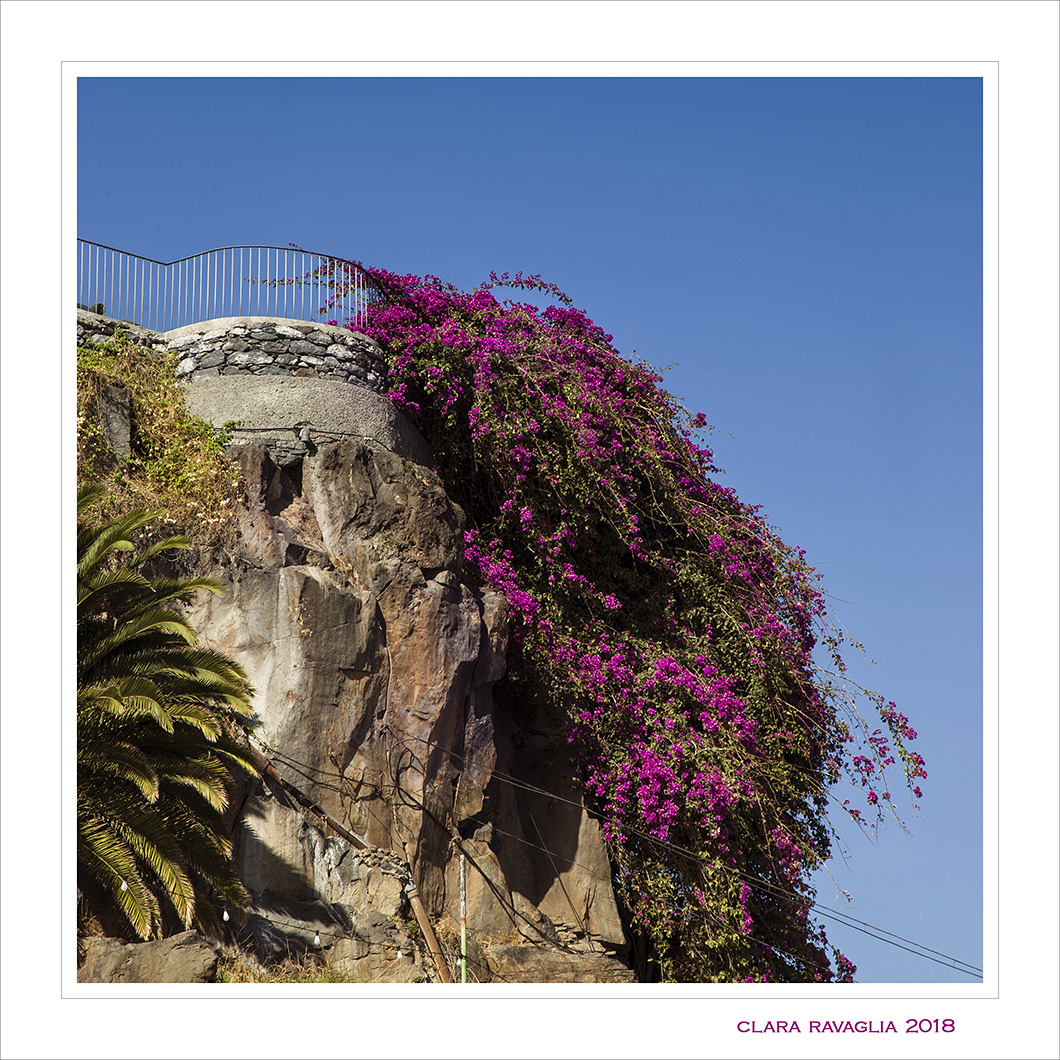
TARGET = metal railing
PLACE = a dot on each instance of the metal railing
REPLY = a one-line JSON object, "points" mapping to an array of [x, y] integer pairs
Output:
{"points": [[226, 282]]}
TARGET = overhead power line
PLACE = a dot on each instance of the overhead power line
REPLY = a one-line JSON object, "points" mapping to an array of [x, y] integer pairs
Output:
{"points": [[763, 886]]}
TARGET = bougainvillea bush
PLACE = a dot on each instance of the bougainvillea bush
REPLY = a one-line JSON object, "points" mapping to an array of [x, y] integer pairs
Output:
{"points": [[661, 616]]}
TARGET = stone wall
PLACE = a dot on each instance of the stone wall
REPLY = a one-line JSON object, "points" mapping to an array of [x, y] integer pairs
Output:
{"points": [[266, 346], [259, 346], [94, 330]]}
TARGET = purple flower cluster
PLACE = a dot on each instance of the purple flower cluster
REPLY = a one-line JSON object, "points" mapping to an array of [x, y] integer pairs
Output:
{"points": [[665, 615]]}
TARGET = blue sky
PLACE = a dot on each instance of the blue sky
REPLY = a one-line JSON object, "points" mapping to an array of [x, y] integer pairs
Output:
{"points": [[805, 252]]}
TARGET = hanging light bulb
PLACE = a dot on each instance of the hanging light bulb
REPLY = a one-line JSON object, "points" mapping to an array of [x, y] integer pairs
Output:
{"points": [[124, 885], [316, 939], [224, 916]]}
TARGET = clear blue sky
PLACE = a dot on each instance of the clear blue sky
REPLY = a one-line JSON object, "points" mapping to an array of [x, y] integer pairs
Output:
{"points": [[806, 252]]}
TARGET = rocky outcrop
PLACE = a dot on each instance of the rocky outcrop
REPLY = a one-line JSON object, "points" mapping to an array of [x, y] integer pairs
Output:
{"points": [[183, 958], [379, 666], [379, 674]]}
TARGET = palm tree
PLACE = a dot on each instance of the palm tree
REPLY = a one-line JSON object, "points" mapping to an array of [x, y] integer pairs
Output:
{"points": [[158, 726]]}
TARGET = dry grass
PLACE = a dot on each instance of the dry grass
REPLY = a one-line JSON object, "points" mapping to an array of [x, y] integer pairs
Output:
{"points": [[238, 968], [177, 467]]}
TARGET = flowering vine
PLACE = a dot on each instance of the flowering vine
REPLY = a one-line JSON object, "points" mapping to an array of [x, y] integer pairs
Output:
{"points": [[663, 618]]}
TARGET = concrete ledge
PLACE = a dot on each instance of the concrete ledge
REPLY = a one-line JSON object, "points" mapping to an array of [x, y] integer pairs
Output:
{"points": [[277, 406], [226, 323]]}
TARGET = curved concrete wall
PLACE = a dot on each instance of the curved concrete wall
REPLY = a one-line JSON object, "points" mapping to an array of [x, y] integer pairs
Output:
{"points": [[277, 378], [269, 407]]}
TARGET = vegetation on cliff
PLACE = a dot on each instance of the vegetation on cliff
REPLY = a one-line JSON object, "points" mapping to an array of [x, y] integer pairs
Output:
{"points": [[157, 740], [659, 615], [176, 463]]}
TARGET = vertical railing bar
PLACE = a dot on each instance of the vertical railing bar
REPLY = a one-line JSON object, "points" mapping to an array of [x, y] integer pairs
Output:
{"points": [[162, 296]]}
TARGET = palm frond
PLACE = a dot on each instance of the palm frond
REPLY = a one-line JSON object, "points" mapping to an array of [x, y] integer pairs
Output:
{"points": [[156, 753]]}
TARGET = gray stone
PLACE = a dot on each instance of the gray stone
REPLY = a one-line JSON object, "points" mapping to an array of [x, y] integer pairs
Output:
{"points": [[116, 412], [212, 360], [540, 964], [184, 958], [303, 347]]}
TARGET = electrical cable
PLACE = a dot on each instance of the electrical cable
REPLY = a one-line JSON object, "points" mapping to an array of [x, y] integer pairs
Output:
{"points": [[752, 881], [763, 886]]}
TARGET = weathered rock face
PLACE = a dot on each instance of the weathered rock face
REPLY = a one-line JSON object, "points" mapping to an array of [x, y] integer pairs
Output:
{"points": [[376, 666], [183, 958]]}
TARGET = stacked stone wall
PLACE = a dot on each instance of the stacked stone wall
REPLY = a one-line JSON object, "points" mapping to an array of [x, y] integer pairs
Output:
{"points": [[94, 330], [263, 346], [259, 346]]}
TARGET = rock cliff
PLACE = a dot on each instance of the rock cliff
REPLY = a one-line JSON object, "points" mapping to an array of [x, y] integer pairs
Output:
{"points": [[378, 670]]}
